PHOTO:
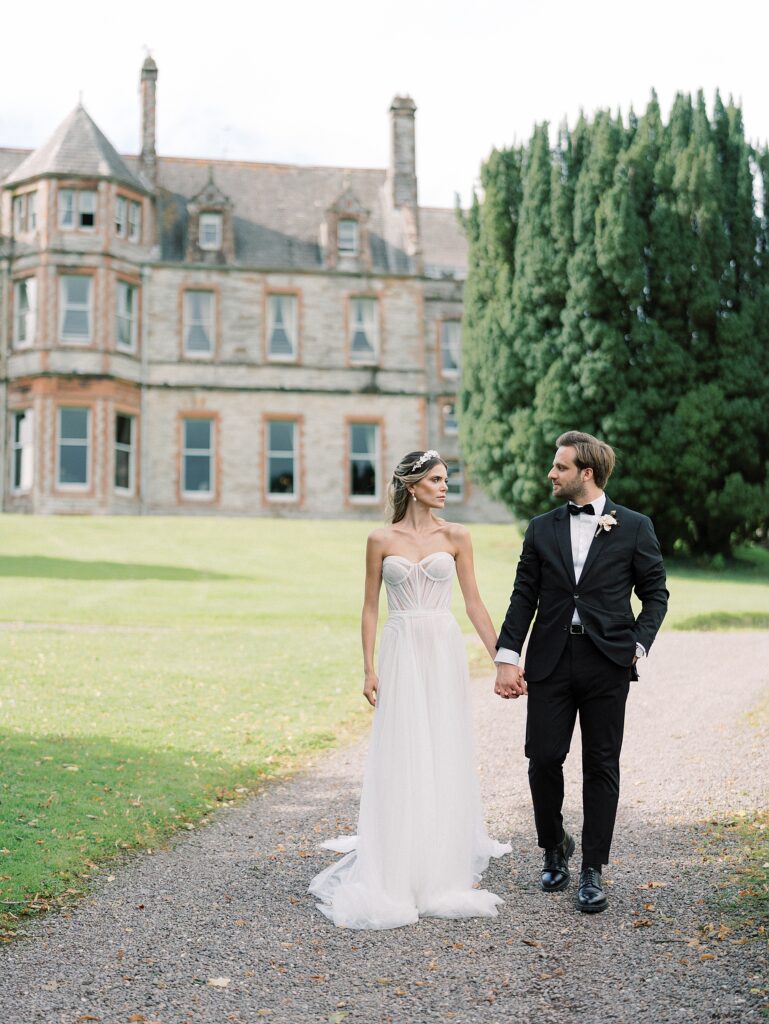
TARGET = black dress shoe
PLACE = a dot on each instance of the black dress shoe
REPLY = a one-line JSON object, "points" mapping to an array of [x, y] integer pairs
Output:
{"points": [[591, 899], [555, 865]]}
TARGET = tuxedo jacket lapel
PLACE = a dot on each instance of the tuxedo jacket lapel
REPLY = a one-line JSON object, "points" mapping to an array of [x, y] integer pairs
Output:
{"points": [[563, 536], [599, 541]]}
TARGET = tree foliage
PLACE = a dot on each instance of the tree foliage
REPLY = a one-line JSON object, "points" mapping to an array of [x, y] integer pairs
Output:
{"points": [[619, 284]]}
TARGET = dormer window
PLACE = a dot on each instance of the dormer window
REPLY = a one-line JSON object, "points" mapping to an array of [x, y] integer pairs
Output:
{"points": [[210, 231], [347, 237], [77, 209]]}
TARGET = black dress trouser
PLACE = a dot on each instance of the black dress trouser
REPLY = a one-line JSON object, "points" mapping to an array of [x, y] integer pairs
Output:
{"points": [[584, 681]]}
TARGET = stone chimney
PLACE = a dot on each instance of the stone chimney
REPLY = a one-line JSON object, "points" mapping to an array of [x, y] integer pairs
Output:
{"points": [[148, 90], [402, 175]]}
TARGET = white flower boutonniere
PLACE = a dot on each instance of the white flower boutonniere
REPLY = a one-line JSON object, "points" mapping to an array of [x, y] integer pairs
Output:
{"points": [[606, 521]]}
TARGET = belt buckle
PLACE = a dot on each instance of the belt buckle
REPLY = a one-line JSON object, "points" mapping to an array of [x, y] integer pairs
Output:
{"points": [[576, 629]]}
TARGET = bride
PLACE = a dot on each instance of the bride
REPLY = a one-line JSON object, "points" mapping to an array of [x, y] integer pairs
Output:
{"points": [[422, 844]]}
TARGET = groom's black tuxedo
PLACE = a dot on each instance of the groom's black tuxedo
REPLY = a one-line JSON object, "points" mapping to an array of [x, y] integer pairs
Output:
{"points": [[586, 671], [621, 559]]}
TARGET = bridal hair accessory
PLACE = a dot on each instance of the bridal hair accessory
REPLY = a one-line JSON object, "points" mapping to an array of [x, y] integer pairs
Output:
{"points": [[605, 522], [432, 454]]}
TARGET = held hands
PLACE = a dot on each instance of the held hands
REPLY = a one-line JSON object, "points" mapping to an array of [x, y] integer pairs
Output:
{"points": [[370, 687], [510, 681]]}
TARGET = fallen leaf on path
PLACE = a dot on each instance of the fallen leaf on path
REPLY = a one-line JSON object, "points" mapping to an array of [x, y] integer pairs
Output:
{"points": [[642, 922], [532, 942], [708, 956], [653, 885]]}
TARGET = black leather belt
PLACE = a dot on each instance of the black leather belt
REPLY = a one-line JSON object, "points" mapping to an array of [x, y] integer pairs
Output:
{"points": [[576, 629]]}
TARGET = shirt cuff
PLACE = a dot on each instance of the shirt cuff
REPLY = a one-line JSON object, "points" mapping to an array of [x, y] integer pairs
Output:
{"points": [[506, 657], [640, 650]]}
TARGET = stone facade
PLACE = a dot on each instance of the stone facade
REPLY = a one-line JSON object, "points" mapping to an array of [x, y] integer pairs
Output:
{"points": [[184, 336]]}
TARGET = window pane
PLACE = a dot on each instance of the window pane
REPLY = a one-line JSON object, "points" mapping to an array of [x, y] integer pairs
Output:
{"points": [[73, 464], [120, 220], [123, 469], [66, 208], [363, 438], [32, 211], [281, 475], [199, 321], [197, 434], [450, 346], [281, 437], [87, 209], [363, 316], [197, 472], [134, 221], [347, 236], [363, 481], [210, 230], [123, 429], [456, 479], [282, 321], [126, 321], [23, 450], [77, 290], [450, 421], [76, 324], [73, 424]]}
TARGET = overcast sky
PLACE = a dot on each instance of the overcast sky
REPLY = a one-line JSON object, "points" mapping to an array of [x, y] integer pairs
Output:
{"points": [[310, 81]]}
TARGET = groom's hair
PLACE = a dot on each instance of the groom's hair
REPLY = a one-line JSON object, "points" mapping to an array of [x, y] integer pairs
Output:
{"points": [[591, 454]]}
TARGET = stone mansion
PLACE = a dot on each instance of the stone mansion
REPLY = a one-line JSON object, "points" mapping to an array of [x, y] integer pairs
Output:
{"points": [[182, 335]]}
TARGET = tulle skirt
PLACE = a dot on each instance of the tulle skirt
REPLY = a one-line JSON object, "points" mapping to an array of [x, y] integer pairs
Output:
{"points": [[421, 845]]}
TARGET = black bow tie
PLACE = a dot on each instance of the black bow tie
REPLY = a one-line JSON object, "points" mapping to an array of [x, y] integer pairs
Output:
{"points": [[575, 510]]}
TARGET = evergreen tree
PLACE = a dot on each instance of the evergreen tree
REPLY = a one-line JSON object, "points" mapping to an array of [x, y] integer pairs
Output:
{"points": [[626, 275]]}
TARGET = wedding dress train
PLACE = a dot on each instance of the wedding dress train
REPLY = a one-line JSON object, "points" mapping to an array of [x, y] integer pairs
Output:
{"points": [[421, 845]]}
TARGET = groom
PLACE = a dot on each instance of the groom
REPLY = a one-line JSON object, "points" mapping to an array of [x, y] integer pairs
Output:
{"points": [[577, 569]]}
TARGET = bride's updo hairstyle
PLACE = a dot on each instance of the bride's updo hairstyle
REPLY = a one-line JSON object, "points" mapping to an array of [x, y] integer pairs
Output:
{"points": [[409, 470]]}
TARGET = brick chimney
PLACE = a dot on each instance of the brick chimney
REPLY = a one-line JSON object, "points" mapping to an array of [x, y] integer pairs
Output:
{"points": [[402, 174], [148, 90]]}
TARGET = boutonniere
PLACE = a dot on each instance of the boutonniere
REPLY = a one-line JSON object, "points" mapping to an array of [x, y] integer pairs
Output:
{"points": [[606, 521]]}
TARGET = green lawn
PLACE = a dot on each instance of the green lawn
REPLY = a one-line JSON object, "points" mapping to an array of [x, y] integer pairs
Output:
{"points": [[151, 668]]}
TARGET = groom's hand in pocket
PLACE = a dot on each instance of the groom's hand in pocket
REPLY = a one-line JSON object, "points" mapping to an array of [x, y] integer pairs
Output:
{"points": [[510, 681]]}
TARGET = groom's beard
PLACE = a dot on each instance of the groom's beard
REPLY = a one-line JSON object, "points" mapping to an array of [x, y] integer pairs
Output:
{"points": [[571, 492]]}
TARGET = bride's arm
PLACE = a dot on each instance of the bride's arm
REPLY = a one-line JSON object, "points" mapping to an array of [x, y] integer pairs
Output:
{"points": [[474, 606], [370, 614]]}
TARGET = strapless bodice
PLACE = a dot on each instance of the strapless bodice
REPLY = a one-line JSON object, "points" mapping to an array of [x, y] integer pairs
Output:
{"points": [[422, 586]]}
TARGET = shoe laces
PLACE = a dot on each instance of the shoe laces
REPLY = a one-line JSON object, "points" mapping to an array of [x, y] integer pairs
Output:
{"points": [[590, 876]]}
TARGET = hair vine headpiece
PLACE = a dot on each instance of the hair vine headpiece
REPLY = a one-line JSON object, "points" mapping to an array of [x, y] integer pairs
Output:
{"points": [[432, 454]]}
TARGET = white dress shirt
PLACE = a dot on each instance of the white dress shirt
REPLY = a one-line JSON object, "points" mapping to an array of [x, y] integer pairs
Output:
{"points": [[583, 529]]}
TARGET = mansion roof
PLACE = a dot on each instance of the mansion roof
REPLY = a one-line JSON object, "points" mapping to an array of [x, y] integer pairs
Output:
{"points": [[278, 210]]}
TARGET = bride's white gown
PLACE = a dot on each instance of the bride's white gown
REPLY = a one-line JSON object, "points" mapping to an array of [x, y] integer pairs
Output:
{"points": [[422, 844]]}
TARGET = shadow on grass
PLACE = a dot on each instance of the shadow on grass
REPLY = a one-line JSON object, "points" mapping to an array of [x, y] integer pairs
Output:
{"points": [[44, 567], [69, 805]]}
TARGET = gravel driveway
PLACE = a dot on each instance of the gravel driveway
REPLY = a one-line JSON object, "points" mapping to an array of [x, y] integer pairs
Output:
{"points": [[219, 928]]}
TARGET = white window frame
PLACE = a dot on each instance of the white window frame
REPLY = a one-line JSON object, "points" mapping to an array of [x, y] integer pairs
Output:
{"points": [[19, 210], [80, 199], [289, 325], [24, 449], [370, 329], [353, 457], [79, 339], [67, 209], [75, 442], [134, 221], [31, 211], [455, 469], [121, 216], [451, 372], [24, 287], [130, 450], [123, 316], [207, 220], [210, 452], [86, 197], [350, 244], [282, 454], [208, 325]]}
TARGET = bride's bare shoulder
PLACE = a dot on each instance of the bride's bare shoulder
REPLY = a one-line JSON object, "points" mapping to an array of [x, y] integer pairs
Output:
{"points": [[378, 538]]}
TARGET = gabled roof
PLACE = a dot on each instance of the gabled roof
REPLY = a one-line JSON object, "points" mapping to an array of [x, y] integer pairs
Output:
{"points": [[78, 147]]}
